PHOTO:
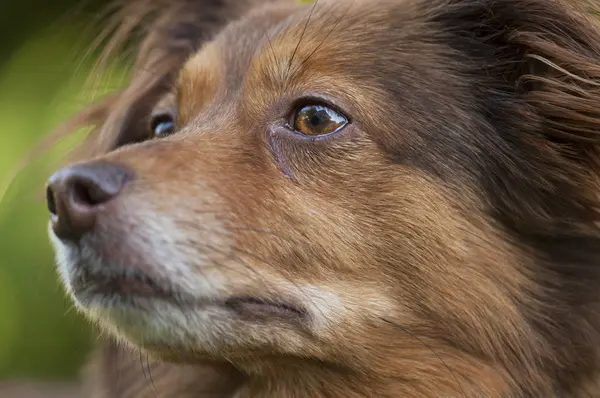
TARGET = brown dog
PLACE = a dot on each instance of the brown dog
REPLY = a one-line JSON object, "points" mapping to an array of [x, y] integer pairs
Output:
{"points": [[345, 199]]}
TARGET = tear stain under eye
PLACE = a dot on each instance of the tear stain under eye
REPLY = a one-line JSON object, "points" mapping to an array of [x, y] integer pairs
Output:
{"points": [[282, 164]]}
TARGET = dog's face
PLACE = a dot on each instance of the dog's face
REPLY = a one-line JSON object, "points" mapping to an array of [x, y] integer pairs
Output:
{"points": [[401, 187]]}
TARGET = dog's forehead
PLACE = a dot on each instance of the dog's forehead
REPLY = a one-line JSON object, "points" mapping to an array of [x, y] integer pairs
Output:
{"points": [[284, 34], [286, 50], [371, 59], [232, 49]]}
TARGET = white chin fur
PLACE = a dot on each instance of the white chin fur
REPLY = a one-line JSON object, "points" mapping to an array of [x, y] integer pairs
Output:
{"points": [[64, 260], [155, 322]]}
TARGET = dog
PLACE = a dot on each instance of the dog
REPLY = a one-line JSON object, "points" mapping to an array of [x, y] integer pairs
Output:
{"points": [[348, 198]]}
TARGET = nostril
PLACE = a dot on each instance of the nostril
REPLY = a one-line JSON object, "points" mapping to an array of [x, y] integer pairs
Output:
{"points": [[91, 193], [88, 193], [51, 201]]}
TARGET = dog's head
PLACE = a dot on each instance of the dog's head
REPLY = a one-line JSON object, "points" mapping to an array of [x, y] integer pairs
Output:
{"points": [[402, 190]]}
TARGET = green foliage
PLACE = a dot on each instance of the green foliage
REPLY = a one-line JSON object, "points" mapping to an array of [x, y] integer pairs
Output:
{"points": [[41, 335]]}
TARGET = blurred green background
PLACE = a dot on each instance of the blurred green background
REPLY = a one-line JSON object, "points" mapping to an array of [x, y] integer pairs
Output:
{"points": [[43, 80]]}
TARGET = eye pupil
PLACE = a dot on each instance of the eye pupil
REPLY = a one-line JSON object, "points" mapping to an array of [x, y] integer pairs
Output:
{"points": [[162, 126], [318, 120]]}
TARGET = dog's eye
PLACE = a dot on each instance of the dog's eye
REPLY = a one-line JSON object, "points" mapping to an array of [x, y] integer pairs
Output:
{"points": [[162, 125], [318, 120]]}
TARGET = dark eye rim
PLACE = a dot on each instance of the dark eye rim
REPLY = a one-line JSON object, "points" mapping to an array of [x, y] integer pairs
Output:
{"points": [[315, 101]]}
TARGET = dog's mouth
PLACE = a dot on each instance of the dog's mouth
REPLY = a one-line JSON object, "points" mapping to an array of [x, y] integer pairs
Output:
{"points": [[133, 286], [260, 306]]}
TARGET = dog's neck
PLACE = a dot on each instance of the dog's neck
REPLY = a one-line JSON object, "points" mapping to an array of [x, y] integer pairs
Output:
{"points": [[117, 372], [321, 382], [392, 376], [316, 381]]}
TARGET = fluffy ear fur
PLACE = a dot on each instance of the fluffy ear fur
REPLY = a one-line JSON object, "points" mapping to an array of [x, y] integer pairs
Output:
{"points": [[547, 52], [542, 70], [161, 34]]}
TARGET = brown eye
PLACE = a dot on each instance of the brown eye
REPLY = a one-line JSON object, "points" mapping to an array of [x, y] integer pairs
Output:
{"points": [[318, 120], [162, 125]]}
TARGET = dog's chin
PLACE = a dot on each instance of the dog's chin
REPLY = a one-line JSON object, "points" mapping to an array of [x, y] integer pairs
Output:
{"points": [[162, 327], [190, 331], [160, 316]]}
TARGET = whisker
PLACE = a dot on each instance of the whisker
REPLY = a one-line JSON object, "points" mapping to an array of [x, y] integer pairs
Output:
{"points": [[69, 310], [327, 35], [274, 57], [150, 374], [143, 368], [302, 36]]}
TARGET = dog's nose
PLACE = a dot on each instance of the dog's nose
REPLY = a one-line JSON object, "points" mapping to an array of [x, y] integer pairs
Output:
{"points": [[77, 194]]}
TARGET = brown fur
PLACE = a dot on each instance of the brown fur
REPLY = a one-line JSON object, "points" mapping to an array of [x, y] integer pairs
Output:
{"points": [[446, 243]]}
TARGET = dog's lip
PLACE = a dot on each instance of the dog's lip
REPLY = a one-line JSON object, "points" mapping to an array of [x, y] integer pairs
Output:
{"points": [[121, 282], [140, 285], [262, 306]]}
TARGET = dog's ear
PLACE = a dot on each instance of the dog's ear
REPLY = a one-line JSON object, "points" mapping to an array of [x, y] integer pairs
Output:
{"points": [[536, 69], [161, 34], [545, 51]]}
